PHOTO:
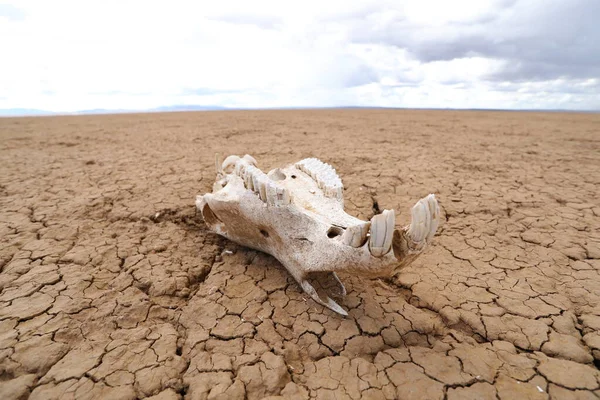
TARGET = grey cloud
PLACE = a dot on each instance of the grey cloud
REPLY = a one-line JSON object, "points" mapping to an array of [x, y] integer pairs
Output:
{"points": [[538, 40], [526, 71], [356, 74], [11, 12], [575, 87], [341, 71]]}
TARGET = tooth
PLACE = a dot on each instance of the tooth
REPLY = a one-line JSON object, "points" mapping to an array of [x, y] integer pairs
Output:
{"points": [[283, 196], [255, 185], [271, 193], [356, 235], [415, 223], [427, 218], [382, 231], [434, 210], [324, 176], [390, 226], [420, 223], [249, 159], [249, 179], [229, 162], [242, 171], [262, 187], [238, 167]]}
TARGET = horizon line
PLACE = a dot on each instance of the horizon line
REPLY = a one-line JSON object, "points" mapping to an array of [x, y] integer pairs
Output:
{"points": [[26, 112]]}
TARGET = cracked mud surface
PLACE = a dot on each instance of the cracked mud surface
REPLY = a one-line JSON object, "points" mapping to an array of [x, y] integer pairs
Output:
{"points": [[112, 287]]}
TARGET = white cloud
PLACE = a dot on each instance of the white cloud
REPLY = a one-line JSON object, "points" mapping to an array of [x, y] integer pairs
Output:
{"points": [[73, 55]]}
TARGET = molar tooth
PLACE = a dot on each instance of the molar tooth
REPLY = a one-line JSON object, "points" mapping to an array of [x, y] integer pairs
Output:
{"points": [[249, 159], [229, 162], [238, 167], [255, 184], [356, 235], [283, 196], [262, 189], [324, 176], [382, 231], [271, 189], [243, 171], [249, 178]]}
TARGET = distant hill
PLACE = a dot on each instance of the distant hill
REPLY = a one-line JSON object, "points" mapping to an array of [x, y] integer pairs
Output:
{"points": [[10, 112]]}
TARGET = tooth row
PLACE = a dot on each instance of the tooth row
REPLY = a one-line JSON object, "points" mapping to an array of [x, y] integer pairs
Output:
{"points": [[325, 176], [382, 232], [257, 181]]}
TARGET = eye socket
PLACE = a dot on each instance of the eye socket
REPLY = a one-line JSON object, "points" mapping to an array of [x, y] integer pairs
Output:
{"points": [[334, 231], [293, 176], [264, 233]]}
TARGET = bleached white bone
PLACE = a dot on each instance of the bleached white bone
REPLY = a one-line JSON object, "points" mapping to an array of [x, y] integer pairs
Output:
{"points": [[296, 214]]}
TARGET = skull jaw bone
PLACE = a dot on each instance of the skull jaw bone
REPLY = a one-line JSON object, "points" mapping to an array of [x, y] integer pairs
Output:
{"points": [[305, 243]]}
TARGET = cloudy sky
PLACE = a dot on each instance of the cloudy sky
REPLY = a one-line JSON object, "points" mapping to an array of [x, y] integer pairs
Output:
{"points": [[519, 54]]}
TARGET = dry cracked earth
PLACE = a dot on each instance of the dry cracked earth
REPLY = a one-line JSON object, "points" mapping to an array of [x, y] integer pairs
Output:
{"points": [[112, 287]]}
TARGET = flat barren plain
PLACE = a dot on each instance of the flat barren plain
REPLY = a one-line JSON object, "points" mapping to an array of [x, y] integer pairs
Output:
{"points": [[112, 287]]}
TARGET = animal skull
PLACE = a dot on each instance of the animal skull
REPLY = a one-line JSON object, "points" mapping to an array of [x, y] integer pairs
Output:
{"points": [[296, 214]]}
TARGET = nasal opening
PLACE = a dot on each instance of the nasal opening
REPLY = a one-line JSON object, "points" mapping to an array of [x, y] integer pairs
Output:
{"points": [[334, 231]]}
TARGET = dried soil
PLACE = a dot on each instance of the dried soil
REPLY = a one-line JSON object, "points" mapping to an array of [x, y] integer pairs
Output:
{"points": [[112, 287]]}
